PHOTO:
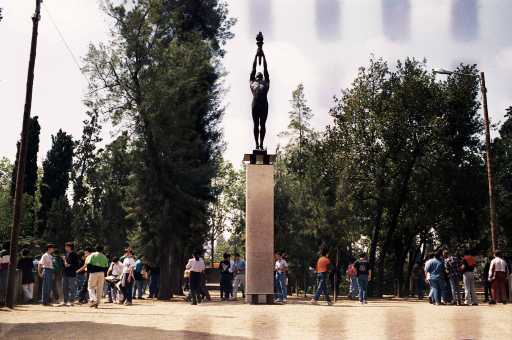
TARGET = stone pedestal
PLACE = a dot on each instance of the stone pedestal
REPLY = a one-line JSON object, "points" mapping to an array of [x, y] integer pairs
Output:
{"points": [[259, 235]]}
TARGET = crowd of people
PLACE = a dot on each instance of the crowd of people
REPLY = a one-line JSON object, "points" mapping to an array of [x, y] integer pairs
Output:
{"points": [[445, 272], [86, 276]]}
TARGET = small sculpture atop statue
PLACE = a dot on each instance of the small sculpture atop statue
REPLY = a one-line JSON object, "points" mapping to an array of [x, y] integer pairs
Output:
{"points": [[259, 42], [259, 83]]}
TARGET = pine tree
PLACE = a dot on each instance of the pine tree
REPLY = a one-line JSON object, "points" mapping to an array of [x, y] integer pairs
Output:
{"points": [[56, 171], [30, 179]]}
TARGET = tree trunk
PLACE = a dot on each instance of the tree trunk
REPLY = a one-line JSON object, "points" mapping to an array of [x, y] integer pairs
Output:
{"points": [[165, 290]]}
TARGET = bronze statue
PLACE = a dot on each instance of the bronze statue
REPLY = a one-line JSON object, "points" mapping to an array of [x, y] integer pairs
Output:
{"points": [[260, 84]]}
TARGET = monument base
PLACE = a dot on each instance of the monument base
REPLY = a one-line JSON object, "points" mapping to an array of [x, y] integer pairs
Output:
{"points": [[259, 232], [259, 299]]}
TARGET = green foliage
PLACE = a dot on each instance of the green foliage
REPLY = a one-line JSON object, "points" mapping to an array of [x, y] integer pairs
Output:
{"points": [[159, 77], [397, 134], [55, 181], [30, 178], [502, 152]]}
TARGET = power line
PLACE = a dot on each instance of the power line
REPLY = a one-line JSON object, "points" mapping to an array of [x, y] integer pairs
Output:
{"points": [[75, 60]]}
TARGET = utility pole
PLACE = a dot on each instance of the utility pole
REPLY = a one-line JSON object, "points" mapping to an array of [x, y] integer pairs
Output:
{"points": [[488, 153], [11, 288]]}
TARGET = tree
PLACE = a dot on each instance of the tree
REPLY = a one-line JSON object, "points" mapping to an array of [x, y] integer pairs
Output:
{"points": [[5, 198], [30, 181], [56, 171], [502, 151], [159, 76]]}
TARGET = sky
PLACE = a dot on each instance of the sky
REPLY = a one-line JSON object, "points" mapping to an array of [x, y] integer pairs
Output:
{"points": [[320, 43]]}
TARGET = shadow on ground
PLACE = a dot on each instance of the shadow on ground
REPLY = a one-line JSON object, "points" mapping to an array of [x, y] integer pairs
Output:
{"points": [[92, 330]]}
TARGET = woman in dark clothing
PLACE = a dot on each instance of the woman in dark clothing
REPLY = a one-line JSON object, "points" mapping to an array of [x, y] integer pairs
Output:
{"points": [[26, 265]]}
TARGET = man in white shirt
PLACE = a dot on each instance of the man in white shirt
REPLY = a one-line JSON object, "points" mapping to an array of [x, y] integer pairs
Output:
{"points": [[45, 269], [127, 277], [281, 267], [196, 266], [498, 272], [114, 273]]}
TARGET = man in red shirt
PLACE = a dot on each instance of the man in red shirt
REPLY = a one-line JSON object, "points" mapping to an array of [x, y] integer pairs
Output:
{"points": [[322, 271]]}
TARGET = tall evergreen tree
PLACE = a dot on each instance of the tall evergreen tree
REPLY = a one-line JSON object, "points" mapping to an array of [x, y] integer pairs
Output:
{"points": [[160, 75], [30, 180], [56, 172]]}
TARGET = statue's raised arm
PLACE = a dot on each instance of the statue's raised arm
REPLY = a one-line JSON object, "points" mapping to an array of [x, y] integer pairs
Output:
{"points": [[265, 69], [253, 72]]}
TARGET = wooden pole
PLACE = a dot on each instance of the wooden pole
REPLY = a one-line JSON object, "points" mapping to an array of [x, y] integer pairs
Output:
{"points": [[18, 195], [488, 152]]}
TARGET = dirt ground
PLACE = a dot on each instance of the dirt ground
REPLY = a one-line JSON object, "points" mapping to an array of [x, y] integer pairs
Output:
{"points": [[379, 319]]}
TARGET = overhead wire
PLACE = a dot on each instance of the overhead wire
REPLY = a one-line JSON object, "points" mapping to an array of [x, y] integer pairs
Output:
{"points": [[63, 40]]}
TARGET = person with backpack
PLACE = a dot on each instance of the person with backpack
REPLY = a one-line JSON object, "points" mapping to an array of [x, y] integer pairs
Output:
{"points": [[364, 275], [468, 268]]}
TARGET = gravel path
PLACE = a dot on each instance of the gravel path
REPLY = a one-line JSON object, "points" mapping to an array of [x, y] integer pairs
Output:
{"points": [[382, 319]]}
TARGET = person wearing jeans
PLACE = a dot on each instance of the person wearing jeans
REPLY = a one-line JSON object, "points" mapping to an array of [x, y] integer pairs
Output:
{"points": [[281, 267], [435, 268], [127, 278], [138, 290], [452, 265], [69, 281], [45, 269], [468, 267], [352, 279], [239, 273], [322, 271], [364, 275]]}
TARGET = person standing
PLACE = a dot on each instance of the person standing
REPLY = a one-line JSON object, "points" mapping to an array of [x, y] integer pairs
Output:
{"points": [[138, 290], [45, 269], [239, 273], [351, 272], [71, 264], [497, 275], [97, 264], [487, 282], [154, 281], [83, 275], [468, 268], [281, 267], [322, 272], [364, 275], [196, 267], [434, 269], [26, 265], [226, 278], [127, 280], [452, 266], [419, 279]]}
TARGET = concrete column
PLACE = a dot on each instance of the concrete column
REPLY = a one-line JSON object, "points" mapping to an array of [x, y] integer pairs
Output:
{"points": [[259, 234]]}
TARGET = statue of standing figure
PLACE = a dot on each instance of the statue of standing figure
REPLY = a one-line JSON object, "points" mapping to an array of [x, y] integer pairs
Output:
{"points": [[259, 83]]}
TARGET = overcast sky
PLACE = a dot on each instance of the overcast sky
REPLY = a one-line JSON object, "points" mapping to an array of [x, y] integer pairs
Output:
{"points": [[320, 43]]}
